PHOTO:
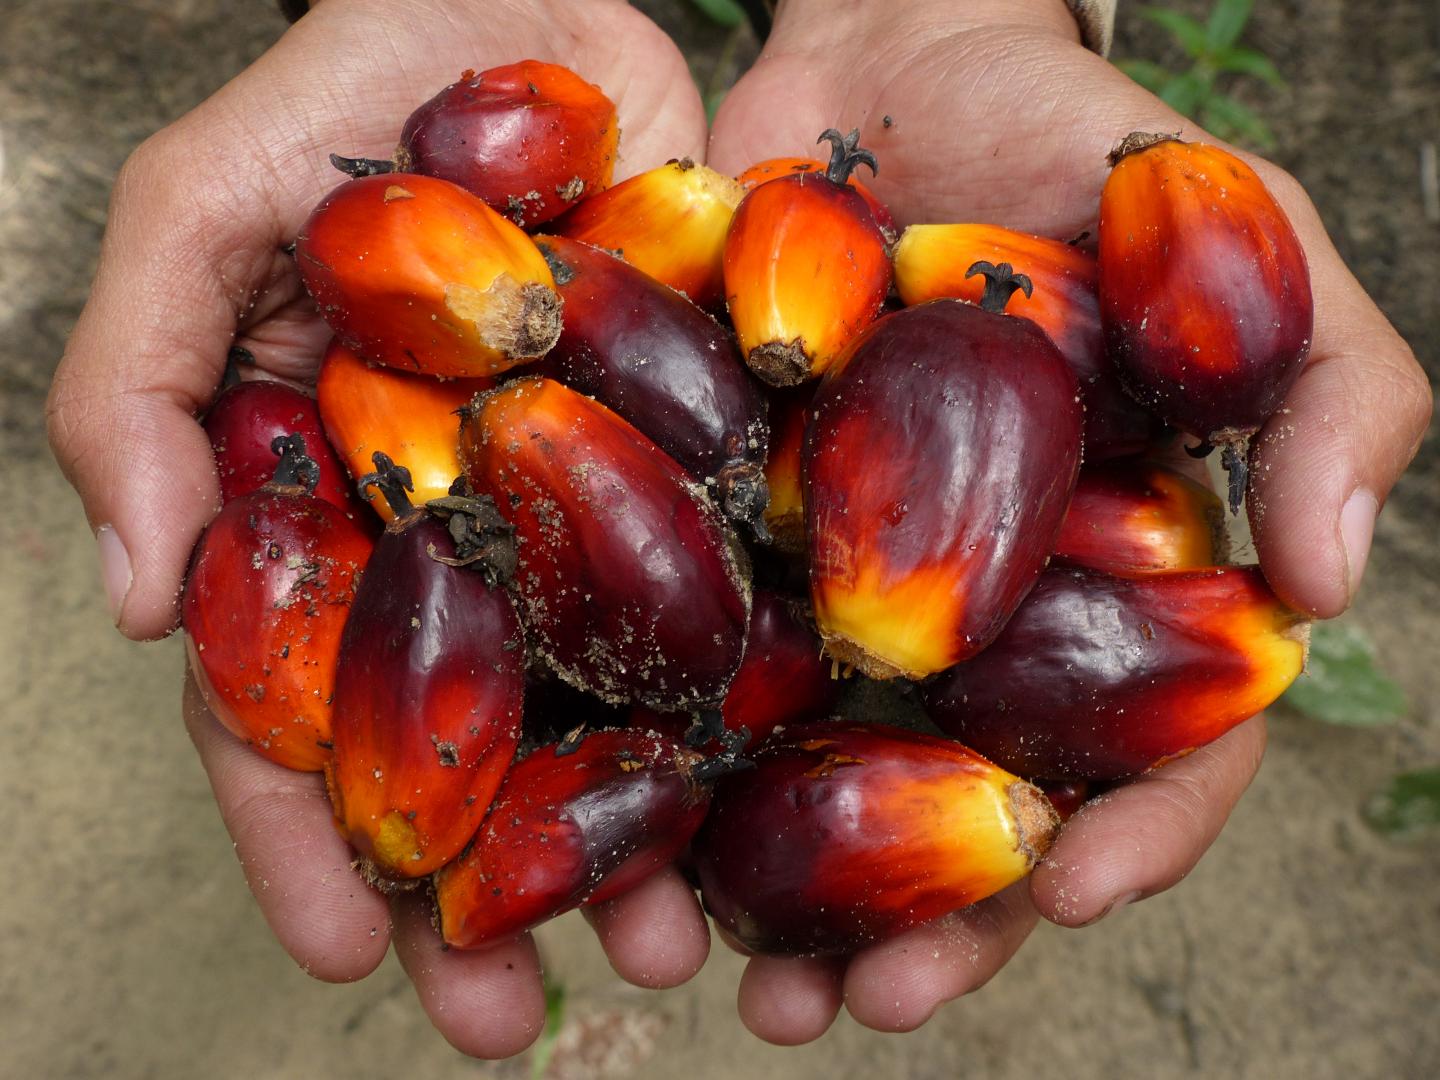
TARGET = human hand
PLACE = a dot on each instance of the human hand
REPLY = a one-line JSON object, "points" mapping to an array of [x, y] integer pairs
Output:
{"points": [[999, 115], [192, 263]]}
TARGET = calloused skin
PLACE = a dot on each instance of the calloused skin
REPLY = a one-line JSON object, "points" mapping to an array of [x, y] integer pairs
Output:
{"points": [[998, 115]]}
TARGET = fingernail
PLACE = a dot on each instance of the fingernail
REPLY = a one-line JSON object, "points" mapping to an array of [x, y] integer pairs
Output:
{"points": [[1357, 528], [114, 569], [1114, 906]]}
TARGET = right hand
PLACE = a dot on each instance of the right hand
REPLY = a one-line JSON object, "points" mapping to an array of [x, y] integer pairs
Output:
{"points": [[192, 263]]}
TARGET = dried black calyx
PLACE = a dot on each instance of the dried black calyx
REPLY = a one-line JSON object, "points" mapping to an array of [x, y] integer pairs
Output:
{"points": [[1001, 283], [571, 742], [391, 480], [296, 467], [708, 724], [1237, 470], [358, 167], [744, 495], [1201, 451], [846, 154], [484, 540]]}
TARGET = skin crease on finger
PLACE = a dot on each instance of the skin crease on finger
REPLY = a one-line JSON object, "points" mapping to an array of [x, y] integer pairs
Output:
{"points": [[654, 936]]}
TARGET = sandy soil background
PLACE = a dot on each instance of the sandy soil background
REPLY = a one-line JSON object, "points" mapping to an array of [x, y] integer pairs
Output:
{"points": [[1304, 945]]}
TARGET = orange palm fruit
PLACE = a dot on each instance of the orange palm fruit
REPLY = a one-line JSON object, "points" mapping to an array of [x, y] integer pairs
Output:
{"points": [[418, 274], [1204, 291], [1099, 677], [411, 418], [931, 261], [1137, 517], [430, 683], [265, 602], [774, 168], [669, 222], [529, 138], [846, 834], [806, 268], [785, 513]]}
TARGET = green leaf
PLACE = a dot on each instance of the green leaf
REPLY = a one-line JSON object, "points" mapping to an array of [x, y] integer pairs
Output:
{"points": [[1409, 805], [1149, 75], [1227, 20], [1229, 119], [1184, 93], [725, 13], [554, 1021], [1342, 684], [1243, 61], [1189, 33]]}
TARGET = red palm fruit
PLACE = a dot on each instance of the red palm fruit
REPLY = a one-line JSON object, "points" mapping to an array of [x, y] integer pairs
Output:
{"points": [[429, 686], [1099, 677], [775, 168], [629, 585], [243, 425], [411, 418], [930, 264], [844, 834], [1137, 517], [269, 587], [805, 268], [571, 829], [939, 460], [668, 222], [664, 365], [785, 513], [418, 274], [1204, 291], [784, 678], [1066, 796], [530, 139]]}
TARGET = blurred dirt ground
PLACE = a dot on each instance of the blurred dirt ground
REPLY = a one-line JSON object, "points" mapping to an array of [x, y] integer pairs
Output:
{"points": [[1303, 945]]}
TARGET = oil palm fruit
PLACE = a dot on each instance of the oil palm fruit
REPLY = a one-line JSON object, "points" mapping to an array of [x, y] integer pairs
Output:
{"points": [[669, 222], [845, 834], [269, 589], [763, 172], [806, 268], [930, 263], [1204, 291], [1098, 677], [412, 418], [785, 512], [430, 683], [418, 274], [656, 359], [938, 463], [571, 828], [628, 582], [530, 139], [1137, 517]]}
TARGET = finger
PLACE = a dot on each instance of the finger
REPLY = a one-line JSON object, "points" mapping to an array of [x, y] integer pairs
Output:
{"points": [[1142, 838], [655, 935], [789, 1000], [488, 1003], [334, 925], [898, 984]]}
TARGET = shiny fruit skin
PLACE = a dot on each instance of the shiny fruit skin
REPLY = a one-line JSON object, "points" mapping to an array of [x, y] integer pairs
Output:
{"points": [[784, 678], [420, 275], [530, 139], [774, 168], [428, 702], [1137, 517], [1204, 289], [785, 512], [664, 365], [939, 460], [1099, 677], [931, 262], [412, 418], [805, 271], [248, 417], [629, 587], [1066, 796], [265, 602], [669, 222], [846, 834], [570, 830]]}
